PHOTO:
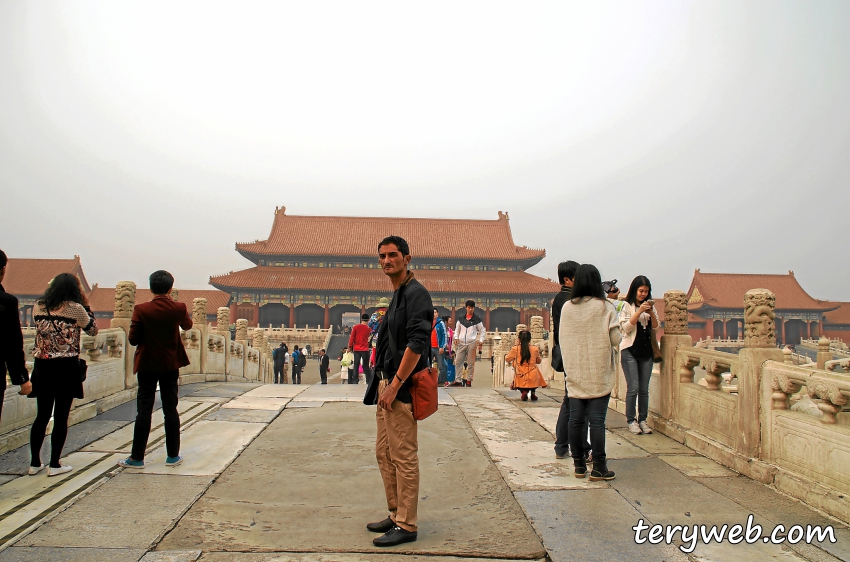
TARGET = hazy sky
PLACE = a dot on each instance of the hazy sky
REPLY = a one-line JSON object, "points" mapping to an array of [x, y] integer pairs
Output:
{"points": [[645, 137]]}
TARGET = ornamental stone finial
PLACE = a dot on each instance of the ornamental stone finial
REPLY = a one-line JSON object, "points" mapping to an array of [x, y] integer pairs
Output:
{"points": [[675, 313], [175, 294], [242, 329], [199, 311], [759, 318], [223, 319], [125, 299]]}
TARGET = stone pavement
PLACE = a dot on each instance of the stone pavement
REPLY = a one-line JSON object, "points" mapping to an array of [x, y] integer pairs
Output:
{"points": [[283, 472]]}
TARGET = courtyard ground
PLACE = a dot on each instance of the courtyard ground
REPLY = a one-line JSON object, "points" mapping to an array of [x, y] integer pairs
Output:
{"points": [[286, 472]]}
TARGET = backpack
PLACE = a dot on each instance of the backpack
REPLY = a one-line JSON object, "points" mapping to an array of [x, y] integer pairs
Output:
{"points": [[302, 360]]}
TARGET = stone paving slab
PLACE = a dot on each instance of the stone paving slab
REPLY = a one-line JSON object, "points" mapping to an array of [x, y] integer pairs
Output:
{"points": [[277, 391], [237, 415], [122, 439], [131, 510], [172, 556], [776, 507], [50, 554], [340, 557], [571, 523], [655, 443], [543, 401], [697, 466], [255, 403], [220, 391], [309, 483], [665, 496], [79, 435], [207, 399], [24, 502], [332, 393], [207, 448], [615, 446], [303, 404]]}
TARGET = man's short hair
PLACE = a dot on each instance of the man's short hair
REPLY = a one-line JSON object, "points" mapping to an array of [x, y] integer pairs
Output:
{"points": [[364, 317], [161, 282], [322, 350], [470, 303], [399, 242], [567, 270], [3, 259]]}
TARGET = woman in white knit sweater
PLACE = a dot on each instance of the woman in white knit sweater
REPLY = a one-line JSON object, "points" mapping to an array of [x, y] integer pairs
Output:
{"points": [[589, 335]]}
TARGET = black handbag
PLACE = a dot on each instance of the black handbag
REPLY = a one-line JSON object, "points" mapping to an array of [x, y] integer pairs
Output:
{"points": [[557, 360]]}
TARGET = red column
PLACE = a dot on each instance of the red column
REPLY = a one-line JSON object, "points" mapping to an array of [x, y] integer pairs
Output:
{"points": [[362, 309], [257, 315], [782, 322], [546, 319], [724, 329], [709, 328], [327, 318], [291, 315], [454, 320], [487, 319], [808, 330], [234, 312], [522, 316]]}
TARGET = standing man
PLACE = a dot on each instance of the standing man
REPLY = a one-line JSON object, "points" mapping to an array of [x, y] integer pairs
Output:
{"points": [[12, 358], [324, 366], [279, 357], [469, 332], [403, 339], [566, 272], [154, 329], [296, 365], [359, 343]]}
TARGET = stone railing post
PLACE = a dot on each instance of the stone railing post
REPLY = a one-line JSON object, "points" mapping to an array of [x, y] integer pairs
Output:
{"points": [[125, 300], [222, 326], [199, 322], [824, 354], [257, 344], [759, 346], [675, 336]]}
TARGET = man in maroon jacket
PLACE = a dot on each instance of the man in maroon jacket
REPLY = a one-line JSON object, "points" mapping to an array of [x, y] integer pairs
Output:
{"points": [[159, 356], [359, 343]]}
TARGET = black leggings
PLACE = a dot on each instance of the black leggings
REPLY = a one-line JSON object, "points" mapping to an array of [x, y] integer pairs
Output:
{"points": [[60, 407]]}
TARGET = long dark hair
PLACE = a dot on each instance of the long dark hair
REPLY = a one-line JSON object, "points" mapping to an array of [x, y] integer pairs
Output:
{"points": [[637, 283], [64, 287], [587, 283], [524, 341]]}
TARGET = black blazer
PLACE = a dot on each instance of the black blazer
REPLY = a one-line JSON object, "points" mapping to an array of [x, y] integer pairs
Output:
{"points": [[11, 340], [325, 364]]}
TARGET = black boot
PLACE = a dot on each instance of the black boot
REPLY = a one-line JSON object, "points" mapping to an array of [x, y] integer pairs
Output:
{"points": [[580, 468], [600, 471]]}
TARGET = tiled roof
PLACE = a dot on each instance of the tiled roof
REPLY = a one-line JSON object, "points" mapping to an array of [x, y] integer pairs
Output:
{"points": [[838, 316], [727, 290], [30, 277], [102, 299], [374, 280], [295, 235]]}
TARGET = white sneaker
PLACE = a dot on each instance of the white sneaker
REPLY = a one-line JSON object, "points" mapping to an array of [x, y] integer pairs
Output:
{"points": [[635, 428], [644, 427], [33, 470], [57, 471]]}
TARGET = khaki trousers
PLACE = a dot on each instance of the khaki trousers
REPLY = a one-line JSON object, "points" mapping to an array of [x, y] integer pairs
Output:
{"points": [[465, 352], [397, 451]]}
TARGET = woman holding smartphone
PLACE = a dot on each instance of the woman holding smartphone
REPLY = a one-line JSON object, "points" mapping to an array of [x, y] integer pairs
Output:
{"points": [[637, 320]]}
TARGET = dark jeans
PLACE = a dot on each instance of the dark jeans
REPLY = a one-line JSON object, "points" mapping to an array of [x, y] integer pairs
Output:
{"points": [[353, 378], [441, 365], [323, 374], [562, 430], [60, 406], [363, 357], [278, 374], [144, 410], [638, 370], [591, 411], [296, 375]]}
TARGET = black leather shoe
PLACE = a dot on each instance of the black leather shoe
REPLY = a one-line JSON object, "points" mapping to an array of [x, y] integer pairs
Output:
{"points": [[381, 526], [394, 536]]}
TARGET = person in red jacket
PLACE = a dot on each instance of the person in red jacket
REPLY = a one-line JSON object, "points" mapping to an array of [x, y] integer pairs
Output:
{"points": [[359, 343], [154, 329]]}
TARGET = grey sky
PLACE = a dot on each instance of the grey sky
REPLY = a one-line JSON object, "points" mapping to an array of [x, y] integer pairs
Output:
{"points": [[645, 137]]}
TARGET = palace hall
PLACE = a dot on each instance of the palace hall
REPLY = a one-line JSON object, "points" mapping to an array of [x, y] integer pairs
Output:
{"points": [[313, 269]]}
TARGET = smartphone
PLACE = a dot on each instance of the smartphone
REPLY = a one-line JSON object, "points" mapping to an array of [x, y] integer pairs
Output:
{"points": [[650, 302]]}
